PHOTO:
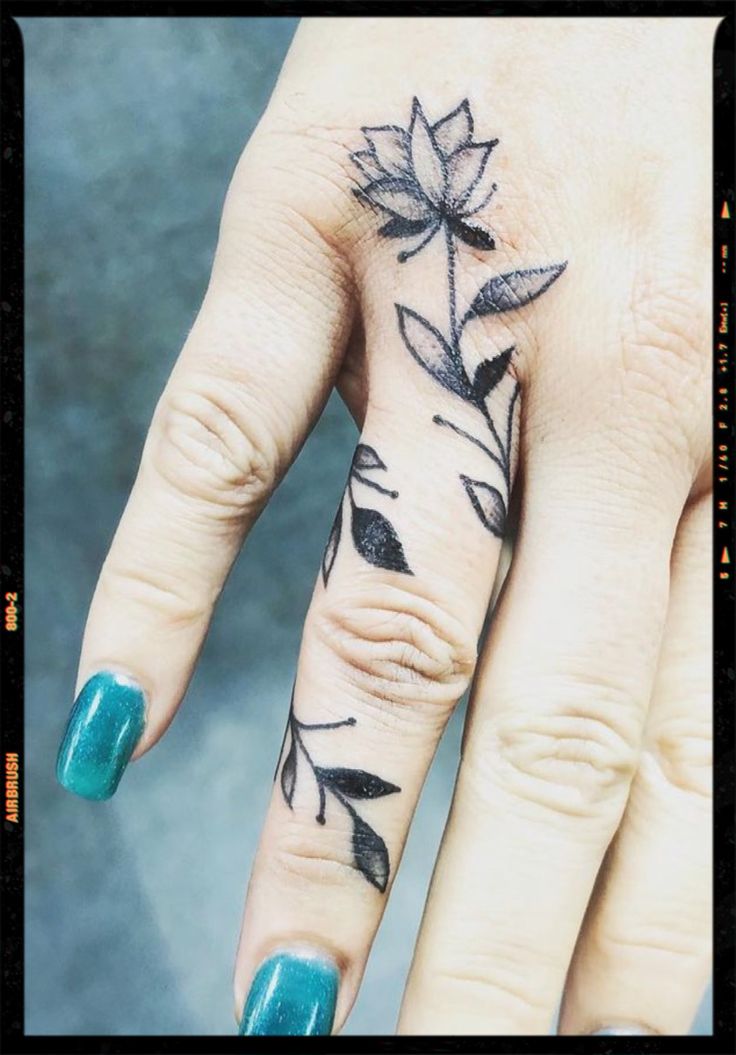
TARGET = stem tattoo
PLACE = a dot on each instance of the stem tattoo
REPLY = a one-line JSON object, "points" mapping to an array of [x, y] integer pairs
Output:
{"points": [[435, 177], [422, 179]]}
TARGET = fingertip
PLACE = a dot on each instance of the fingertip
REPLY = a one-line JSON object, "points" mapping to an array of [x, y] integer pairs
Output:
{"points": [[106, 723], [294, 992]]}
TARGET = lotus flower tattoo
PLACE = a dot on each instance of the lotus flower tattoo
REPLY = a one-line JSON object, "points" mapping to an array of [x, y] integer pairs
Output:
{"points": [[432, 178], [427, 176]]}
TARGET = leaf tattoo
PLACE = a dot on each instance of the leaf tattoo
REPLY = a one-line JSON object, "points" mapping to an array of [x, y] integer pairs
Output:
{"points": [[373, 534], [376, 541], [432, 351], [288, 774], [370, 853], [488, 374], [425, 180], [366, 457], [488, 503], [328, 558], [513, 290], [355, 783], [345, 786]]}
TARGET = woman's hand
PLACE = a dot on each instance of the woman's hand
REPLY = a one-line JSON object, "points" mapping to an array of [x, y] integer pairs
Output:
{"points": [[516, 244]]}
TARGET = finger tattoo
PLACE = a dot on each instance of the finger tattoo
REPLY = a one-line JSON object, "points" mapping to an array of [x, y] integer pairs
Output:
{"points": [[344, 786], [374, 536], [431, 179]]}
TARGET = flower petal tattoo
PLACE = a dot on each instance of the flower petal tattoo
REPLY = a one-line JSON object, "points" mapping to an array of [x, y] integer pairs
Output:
{"points": [[343, 786], [427, 179]]}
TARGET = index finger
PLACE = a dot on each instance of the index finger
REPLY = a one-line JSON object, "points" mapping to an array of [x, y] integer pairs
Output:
{"points": [[250, 381]]}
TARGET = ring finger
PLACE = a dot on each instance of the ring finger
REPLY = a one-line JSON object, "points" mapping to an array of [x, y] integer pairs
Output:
{"points": [[554, 728]]}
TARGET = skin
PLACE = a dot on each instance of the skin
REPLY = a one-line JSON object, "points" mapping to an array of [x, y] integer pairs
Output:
{"points": [[576, 857]]}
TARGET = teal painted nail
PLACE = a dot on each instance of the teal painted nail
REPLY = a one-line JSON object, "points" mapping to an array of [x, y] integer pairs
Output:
{"points": [[292, 995], [105, 724]]}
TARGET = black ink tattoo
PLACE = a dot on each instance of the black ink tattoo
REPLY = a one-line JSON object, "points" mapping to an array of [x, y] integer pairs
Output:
{"points": [[374, 536], [370, 854], [432, 178]]}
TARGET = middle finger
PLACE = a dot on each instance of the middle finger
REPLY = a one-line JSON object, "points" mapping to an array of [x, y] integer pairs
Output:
{"points": [[389, 647]]}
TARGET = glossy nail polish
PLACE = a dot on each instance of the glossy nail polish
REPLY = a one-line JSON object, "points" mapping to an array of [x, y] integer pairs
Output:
{"points": [[293, 995], [104, 726]]}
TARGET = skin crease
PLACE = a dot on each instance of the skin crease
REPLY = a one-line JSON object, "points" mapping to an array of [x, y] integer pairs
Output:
{"points": [[603, 161]]}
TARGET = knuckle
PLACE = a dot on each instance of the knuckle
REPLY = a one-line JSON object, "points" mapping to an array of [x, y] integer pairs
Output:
{"points": [[682, 751], [208, 447], [395, 647], [683, 940], [496, 977], [664, 356], [298, 146], [299, 163], [668, 322], [576, 761], [319, 856], [153, 591]]}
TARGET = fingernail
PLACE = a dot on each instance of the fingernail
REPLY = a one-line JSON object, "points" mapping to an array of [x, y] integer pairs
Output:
{"points": [[104, 726], [622, 1031], [292, 995]]}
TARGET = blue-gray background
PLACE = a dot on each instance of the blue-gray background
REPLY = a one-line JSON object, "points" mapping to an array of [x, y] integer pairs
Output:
{"points": [[133, 127]]}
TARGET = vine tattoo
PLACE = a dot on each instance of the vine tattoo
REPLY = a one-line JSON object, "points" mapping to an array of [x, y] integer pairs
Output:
{"points": [[374, 536], [435, 178], [345, 786]]}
